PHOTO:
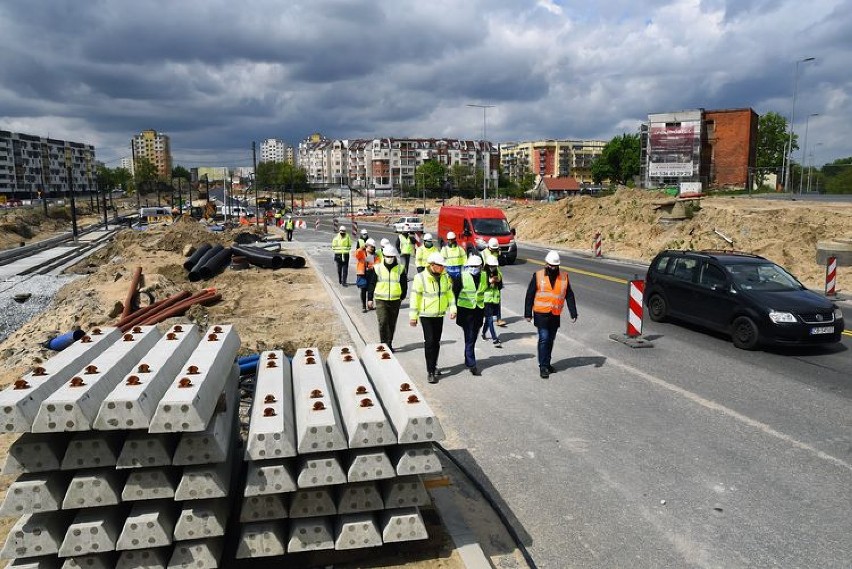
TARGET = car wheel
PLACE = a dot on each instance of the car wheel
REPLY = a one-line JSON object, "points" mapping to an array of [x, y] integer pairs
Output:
{"points": [[657, 308], [744, 333]]}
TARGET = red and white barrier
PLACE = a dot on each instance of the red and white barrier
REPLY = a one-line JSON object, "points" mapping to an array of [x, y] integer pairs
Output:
{"points": [[636, 292], [831, 277], [598, 246], [316, 225], [301, 224], [354, 228]]}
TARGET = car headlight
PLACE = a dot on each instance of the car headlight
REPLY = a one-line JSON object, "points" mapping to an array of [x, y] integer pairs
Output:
{"points": [[838, 314], [779, 317]]}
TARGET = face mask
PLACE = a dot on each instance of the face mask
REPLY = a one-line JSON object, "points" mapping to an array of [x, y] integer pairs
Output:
{"points": [[451, 243], [427, 243], [390, 261], [551, 270], [474, 271]]}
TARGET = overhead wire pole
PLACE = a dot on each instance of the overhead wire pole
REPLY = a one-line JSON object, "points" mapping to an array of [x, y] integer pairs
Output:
{"points": [[805, 149], [486, 165], [789, 146], [254, 182]]}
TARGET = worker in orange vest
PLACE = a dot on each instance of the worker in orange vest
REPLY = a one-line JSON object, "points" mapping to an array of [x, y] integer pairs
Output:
{"points": [[548, 291]]}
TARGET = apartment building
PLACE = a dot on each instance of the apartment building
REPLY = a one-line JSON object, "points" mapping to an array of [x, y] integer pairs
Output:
{"points": [[127, 163], [276, 150], [551, 158], [32, 166], [155, 147]]}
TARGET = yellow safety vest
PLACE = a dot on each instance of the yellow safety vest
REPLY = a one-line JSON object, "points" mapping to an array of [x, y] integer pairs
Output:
{"points": [[341, 244], [486, 253], [423, 253], [431, 297], [387, 282], [492, 293], [453, 256], [289, 224], [406, 247], [472, 295]]}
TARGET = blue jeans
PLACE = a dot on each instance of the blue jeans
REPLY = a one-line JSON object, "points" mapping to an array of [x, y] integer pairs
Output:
{"points": [[491, 311], [546, 336]]}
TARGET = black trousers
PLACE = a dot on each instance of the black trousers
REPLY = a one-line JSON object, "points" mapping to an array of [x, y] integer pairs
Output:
{"points": [[433, 327], [289, 234], [406, 260], [387, 312], [342, 267]]}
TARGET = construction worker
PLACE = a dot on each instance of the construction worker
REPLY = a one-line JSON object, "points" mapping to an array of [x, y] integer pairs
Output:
{"points": [[389, 289], [277, 217], [493, 251], [405, 245], [431, 298], [470, 299], [363, 239], [289, 225], [365, 260], [454, 256], [492, 298], [548, 291], [423, 251], [340, 246]]}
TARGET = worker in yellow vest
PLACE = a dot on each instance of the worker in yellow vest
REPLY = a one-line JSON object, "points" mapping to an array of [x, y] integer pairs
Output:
{"points": [[424, 251], [548, 292], [493, 252], [470, 299], [492, 298], [289, 225], [454, 256], [432, 298], [340, 246], [389, 289], [405, 246]]}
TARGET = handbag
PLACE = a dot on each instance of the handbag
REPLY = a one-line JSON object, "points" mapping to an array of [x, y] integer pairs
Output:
{"points": [[361, 281]]}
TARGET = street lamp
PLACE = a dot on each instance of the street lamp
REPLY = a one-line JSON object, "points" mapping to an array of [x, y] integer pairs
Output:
{"points": [[805, 146], [485, 165], [811, 164], [789, 150]]}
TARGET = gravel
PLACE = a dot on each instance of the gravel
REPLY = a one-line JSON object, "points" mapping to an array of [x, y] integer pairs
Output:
{"points": [[41, 288]]}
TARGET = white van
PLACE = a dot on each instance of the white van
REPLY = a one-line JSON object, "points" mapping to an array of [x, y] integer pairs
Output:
{"points": [[234, 211], [324, 202], [153, 215]]}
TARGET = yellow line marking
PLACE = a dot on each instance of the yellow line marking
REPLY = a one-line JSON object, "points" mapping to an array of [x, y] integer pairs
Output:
{"points": [[847, 332], [582, 272]]}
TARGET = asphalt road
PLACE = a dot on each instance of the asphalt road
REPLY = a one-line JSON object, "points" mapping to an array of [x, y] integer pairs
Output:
{"points": [[688, 454]]}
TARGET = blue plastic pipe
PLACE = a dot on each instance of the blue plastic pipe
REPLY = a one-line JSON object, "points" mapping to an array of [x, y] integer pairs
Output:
{"points": [[246, 359], [249, 367], [59, 343]]}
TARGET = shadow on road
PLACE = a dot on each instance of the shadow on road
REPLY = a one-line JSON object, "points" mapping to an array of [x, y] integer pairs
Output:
{"points": [[570, 363]]}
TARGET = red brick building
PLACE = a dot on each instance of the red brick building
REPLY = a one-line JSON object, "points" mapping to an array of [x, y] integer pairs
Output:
{"points": [[730, 146]]}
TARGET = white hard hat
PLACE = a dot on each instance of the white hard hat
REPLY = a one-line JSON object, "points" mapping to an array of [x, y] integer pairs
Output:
{"points": [[389, 251], [363, 232], [436, 259], [492, 261], [451, 235], [552, 258], [473, 261], [427, 237], [370, 241], [493, 243], [342, 228], [384, 242]]}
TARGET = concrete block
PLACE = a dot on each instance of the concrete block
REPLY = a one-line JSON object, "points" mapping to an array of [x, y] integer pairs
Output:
{"points": [[269, 477], [415, 459], [310, 534], [312, 503], [356, 531], [205, 481], [189, 402], [20, 402], [202, 519], [322, 469], [318, 424], [402, 524], [94, 561], [200, 554], [150, 524], [404, 491], [359, 497], [92, 449], [33, 493], [369, 464], [262, 539], [94, 488], [35, 452], [263, 508], [151, 484], [272, 427], [142, 449], [412, 418], [363, 417], [132, 403], [75, 403], [34, 535], [154, 558], [94, 530], [211, 444], [47, 562]]}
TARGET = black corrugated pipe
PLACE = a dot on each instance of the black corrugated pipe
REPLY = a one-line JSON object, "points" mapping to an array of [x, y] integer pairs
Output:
{"points": [[216, 263], [260, 258], [194, 274], [193, 259], [297, 261]]}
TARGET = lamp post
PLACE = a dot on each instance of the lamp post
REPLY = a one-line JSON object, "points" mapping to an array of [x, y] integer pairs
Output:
{"points": [[789, 150], [811, 164], [805, 147], [485, 164], [70, 175]]}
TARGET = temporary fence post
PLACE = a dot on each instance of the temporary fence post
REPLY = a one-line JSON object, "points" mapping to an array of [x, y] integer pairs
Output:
{"points": [[831, 277]]}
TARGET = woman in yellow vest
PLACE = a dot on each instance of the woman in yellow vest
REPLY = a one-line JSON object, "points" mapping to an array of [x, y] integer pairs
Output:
{"points": [[548, 291], [470, 299], [431, 298], [389, 289], [492, 298]]}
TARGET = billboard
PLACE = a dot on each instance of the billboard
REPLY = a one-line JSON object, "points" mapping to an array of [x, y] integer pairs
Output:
{"points": [[673, 151]]}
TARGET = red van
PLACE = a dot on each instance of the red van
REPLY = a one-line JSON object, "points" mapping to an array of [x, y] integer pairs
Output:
{"points": [[474, 226]]}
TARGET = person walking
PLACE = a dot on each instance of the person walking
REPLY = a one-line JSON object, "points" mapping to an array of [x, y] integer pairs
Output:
{"points": [[289, 225], [470, 299], [454, 256], [423, 251], [548, 291], [363, 238], [389, 289], [493, 251], [365, 260], [405, 245], [431, 298], [340, 246], [492, 299]]}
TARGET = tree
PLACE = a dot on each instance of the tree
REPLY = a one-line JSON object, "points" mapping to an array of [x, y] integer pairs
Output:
{"points": [[463, 177], [772, 138], [181, 172], [145, 173], [838, 176], [431, 174], [619, 160]]}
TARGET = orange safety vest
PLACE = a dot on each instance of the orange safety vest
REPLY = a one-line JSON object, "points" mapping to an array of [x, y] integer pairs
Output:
{"points": [[550, 300], [361, 262]]}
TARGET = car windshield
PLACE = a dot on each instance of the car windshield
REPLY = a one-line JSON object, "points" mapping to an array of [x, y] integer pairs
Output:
{"points": [[763, 276], [491, 226]]}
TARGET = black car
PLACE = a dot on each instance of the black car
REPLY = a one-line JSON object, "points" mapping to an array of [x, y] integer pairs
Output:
{"points": [[749, 297]]}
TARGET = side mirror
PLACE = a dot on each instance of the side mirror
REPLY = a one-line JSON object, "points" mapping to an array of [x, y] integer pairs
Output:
{"points": [[512, 230], [466, 232]]}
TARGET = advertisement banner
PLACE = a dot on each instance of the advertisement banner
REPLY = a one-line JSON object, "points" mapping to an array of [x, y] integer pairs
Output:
{"points": [[671, 150]]}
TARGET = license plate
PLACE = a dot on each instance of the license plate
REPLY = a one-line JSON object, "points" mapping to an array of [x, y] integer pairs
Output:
{"points": [[822, 330]]}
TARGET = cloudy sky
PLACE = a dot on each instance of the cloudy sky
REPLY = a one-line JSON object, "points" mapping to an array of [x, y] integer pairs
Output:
{"points": [[215, 75]]}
